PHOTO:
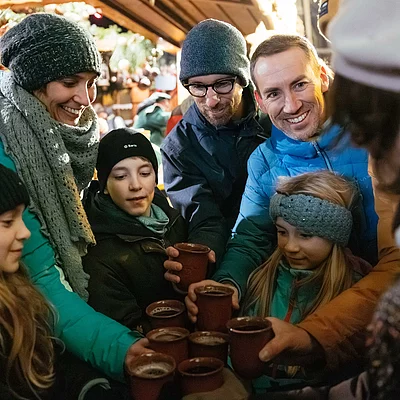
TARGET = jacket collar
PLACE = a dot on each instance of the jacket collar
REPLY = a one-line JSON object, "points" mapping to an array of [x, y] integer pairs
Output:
{"points": [[106, 225], [289, 146]]}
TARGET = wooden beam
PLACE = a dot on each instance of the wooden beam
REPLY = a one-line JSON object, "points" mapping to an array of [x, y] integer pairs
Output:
{"points": [[138, 17], [222, 3], [149, 18]]}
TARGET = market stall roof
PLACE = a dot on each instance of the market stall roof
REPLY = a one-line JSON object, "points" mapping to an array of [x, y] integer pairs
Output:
{"points": [[169, 19]]}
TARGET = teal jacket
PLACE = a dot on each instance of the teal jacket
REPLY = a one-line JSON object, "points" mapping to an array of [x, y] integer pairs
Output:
{"points": [[290, 303], [91, 336]]}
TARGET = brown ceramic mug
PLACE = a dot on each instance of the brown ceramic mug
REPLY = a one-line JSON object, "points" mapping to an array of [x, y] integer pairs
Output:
{"points": [[202, 374], [172, 341], [215, 307], [194, 260], [148, 373], [209, 344], [248, 335], [166, 313]]}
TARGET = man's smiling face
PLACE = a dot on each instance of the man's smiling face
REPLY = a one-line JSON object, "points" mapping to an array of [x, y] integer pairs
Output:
{"points": [[291, 91]]}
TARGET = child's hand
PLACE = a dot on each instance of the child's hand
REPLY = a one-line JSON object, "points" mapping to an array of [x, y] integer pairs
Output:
{"points": [[171, 265], [191, 297], [138, 348]]}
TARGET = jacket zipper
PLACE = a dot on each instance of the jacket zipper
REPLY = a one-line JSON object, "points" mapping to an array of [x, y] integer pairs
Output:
{"points": [[323, 155], [292, 301]]}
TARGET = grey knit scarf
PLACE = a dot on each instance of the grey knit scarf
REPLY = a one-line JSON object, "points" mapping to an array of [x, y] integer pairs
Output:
{"points": [[55, 161]]}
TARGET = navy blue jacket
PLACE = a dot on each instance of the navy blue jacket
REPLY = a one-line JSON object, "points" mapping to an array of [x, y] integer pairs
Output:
{"points": [[205, 171]]}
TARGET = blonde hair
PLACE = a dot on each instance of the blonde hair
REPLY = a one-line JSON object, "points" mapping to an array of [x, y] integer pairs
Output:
{"points": [[333, 273], [25, 342]]}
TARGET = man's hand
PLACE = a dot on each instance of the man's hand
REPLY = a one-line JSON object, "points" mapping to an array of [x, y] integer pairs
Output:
{"points": [[191, 297], [291, 346], [138, 348], [171, 265]]}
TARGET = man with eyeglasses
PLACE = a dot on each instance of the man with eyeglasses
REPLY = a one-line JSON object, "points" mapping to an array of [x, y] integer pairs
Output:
{"points": [[205, 155]]}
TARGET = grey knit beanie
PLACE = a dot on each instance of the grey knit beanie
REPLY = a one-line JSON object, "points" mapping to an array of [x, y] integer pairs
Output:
{"points": [[13, 192], [45, 47], [313, 216], [214, 47], [365, 42]]}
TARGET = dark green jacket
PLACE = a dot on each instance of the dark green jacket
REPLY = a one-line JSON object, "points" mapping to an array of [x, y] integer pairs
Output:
{"points": [[126, 265]]}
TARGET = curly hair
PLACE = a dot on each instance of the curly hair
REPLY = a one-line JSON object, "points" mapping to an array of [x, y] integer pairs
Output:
{"points": [[384, 347], [26, 346]]}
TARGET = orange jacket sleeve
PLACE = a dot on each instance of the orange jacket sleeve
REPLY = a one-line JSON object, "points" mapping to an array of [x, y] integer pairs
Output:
{"points": [[339, 326]]}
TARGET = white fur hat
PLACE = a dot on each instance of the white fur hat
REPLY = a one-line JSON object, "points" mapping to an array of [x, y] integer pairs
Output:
{"points": [[365, 36]]}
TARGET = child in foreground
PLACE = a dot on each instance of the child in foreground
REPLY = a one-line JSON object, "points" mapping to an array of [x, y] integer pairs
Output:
{"points": [[33, 365], [133, 224], [311, 264]]}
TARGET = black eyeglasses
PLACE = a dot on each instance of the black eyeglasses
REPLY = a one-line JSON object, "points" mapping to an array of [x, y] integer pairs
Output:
{"points": [[223, 86]]}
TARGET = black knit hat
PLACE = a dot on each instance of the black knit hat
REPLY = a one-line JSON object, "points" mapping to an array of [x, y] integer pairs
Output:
{"points": [[214, 47], [45, 47], [13, 192], [119, 144]]}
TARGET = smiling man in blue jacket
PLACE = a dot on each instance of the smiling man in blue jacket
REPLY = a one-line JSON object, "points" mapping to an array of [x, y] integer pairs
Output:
{"points": [[291, 85]]}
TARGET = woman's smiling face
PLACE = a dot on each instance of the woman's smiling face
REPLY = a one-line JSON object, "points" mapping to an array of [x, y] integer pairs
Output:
{"points": [[67, 98]]}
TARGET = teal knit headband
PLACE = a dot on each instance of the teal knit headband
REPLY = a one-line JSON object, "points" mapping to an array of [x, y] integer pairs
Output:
{"points": [[313, 216]]}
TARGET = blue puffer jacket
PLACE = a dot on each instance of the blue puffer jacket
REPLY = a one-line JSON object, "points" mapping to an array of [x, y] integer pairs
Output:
{"points": [[205, 171], [254, 236], [88, 334]]}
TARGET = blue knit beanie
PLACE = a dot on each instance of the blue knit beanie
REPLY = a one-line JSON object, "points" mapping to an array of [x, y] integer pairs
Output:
{"points": [[214, 47], [45, 47]]}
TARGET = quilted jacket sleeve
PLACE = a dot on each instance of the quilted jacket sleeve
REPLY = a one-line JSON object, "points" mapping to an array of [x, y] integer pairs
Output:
{"points": [[254, 235]]}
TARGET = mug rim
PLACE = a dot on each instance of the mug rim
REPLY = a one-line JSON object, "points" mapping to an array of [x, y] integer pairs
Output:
{"points": [[217, 362], [248, 319], [179, 304], [202, 248], [228, 290], [222, 335], [158, 357], [184, 331]]}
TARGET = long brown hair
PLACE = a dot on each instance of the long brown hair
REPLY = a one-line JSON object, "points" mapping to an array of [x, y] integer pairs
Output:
{"points": [[333, 273], [25, 336]]}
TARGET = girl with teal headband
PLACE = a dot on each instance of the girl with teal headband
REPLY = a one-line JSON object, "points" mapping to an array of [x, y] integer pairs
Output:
{"points": [[311, 264]]}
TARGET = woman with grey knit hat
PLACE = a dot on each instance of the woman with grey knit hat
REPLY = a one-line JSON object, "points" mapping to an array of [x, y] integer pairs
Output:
{"points": [[49, 136]]}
